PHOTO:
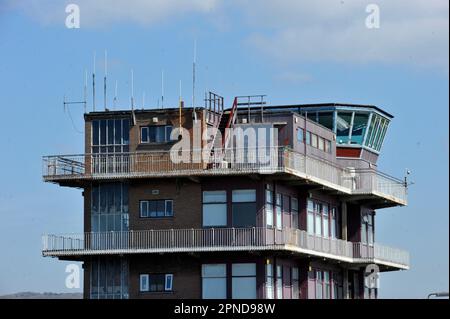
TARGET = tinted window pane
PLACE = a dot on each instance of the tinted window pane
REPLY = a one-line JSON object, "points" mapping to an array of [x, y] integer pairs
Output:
{"points": [[244, 195], [144, 134], [359, 127], [102, 132], [95, 128], [118, 132], [244, 214], [214, 197], [169, 208], [126, 131], [326, 119], [110, 132], [214, 214], [343, 121]]}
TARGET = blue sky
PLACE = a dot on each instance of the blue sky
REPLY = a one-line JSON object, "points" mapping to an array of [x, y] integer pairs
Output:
{"points": [[294, 51]]}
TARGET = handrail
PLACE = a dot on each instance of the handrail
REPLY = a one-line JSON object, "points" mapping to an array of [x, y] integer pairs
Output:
{"points": [[228, 161], [221, 239]]}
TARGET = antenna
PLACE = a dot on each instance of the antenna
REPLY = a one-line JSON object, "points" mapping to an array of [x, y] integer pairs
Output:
{"points": [[93, 84], [143, 100], [193, 73], [104, 79], [132, 89], [180, 105], [66, 103], [85, 90], [115, 96], [162, 89]]}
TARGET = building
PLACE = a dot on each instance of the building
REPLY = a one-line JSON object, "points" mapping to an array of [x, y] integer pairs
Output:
{"points": [[299, 225]]}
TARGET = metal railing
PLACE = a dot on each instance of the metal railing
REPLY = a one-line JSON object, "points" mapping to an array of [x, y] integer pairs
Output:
{"points": [[223, 162], [220, 239]]}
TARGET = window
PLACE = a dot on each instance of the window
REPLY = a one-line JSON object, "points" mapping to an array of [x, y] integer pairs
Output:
{"points": [[109, 207], [279, 282], [110, 136], [214, 208], [334, 224], [326, 223], [168, 282], [294, 211], [326, 119], [359, 127], [243, 281], [318, 219], [314, 140], [143, 280], [326, 285], [269, 208], [328, 146], [155, 282], [214, 281], [337, 286], [144, 134], [244, 208], [319, 285], [343, 126], [269, 281], [322, 219], [310, 221], [308, 138], [108, 278], [367, 228], [300, 135], [295, 283], [156, 208], [156, 133], [278, 209], [321, 144]]}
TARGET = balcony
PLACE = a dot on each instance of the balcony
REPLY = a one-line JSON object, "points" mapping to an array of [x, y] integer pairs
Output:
{"points": [[72, 170], [220, 240]]}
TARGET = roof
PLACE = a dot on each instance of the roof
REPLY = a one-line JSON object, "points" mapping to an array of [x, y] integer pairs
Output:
{"points": [[293, 107], [136, 112]]}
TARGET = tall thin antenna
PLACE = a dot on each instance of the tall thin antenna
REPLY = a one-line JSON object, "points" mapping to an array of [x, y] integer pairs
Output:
{"points": [[115, 96], [85, 90], [104, 79], [180, 102], [143, 100], [193, 73], [132, 89], [93, 84], [162, 89]]}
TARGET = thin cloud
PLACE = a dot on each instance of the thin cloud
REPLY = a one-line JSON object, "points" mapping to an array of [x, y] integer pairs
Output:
{"points": [[104, 13], [411, 33]]}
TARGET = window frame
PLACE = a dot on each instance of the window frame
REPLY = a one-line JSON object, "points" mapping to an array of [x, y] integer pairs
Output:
{"points": [[224, 203], [155, 201]]}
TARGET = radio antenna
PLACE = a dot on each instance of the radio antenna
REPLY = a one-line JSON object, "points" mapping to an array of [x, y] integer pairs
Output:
{"points": [[93, 85], [104, 80], [132, 89], [162, 89], [193, 73], [115, 96]]}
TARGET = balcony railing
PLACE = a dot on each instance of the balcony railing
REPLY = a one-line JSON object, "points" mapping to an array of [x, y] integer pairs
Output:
{"points": [[197, 163], [221, 239]]}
